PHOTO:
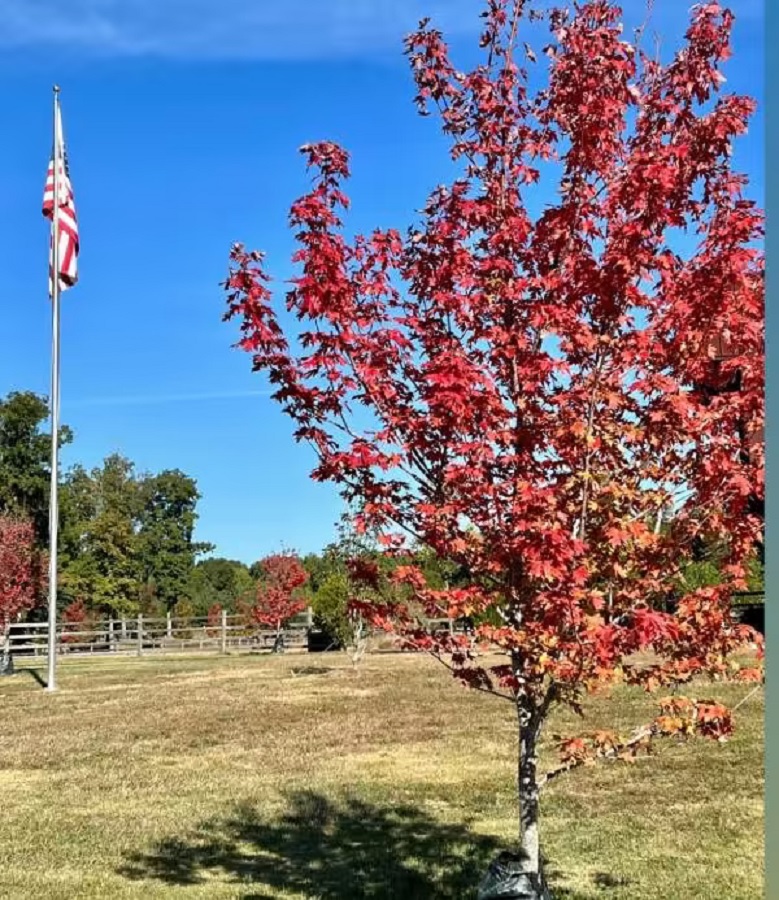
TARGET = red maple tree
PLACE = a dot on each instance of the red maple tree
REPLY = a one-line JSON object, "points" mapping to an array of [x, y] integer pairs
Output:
{"points": [[76, 618], [514, 382], [214, 619], [278, 596], [22, 577]]}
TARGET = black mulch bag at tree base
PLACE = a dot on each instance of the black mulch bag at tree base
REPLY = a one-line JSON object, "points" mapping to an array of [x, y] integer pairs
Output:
{"points": [[506, 879]]}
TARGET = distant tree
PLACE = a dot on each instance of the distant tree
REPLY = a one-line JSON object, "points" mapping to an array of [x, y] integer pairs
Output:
{"points": [[255, 570], [279, 597], [166, 548], [219, 580], [756, 574], [244, 611], [149, 604], [332, 584], [76, 617], [22, 578], [183, 612], [25, 454], [100, 546], [707, 566], [330, 606], [78, 508], [127, 539], [79, 503], [319, 567], [214, 619]]}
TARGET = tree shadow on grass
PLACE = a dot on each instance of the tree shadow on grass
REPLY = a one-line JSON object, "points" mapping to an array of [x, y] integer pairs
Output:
{"points": [[318, 848], [335, 851]]}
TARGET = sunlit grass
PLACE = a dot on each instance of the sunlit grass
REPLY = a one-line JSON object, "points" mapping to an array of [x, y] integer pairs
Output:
{"points": [[300, 777]]}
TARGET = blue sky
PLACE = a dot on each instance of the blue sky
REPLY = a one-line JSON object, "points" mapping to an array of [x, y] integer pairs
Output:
{"points": [[182, 120]]}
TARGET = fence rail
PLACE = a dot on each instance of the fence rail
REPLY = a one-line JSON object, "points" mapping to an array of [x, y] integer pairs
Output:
{"points": [[141, 636]]}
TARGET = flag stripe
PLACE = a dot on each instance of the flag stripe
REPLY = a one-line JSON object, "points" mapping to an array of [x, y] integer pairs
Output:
{"points": [[67, 222]]}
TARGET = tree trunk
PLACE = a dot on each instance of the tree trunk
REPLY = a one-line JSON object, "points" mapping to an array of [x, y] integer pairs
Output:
{"points": [[527, 792], [278, 643], [520, 876], [6, 660]]}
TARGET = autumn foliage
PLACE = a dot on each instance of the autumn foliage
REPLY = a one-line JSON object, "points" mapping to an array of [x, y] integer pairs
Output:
{"points": [[76, 617], [22, 572], [22, 569], [278, 596], [515, 382], [214, 619]]}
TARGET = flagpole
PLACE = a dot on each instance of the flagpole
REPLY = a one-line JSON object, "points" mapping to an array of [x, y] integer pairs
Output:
{"points": [[51, 682]]}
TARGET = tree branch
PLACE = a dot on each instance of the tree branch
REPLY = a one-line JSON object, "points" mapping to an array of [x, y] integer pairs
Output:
{"points": [[646, 731]]}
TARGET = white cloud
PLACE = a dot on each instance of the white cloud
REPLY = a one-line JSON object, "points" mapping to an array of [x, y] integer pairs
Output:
{"points": [[261, 29], [254, 29]]}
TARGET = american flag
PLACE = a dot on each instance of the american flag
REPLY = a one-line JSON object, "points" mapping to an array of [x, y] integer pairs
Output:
{"points": [[67, 222]]}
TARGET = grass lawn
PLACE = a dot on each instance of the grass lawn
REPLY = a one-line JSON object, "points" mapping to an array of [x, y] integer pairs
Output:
{"points": [[296, 777]]}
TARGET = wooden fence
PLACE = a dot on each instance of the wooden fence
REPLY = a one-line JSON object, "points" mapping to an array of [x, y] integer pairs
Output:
{"points": [[140, 636]]}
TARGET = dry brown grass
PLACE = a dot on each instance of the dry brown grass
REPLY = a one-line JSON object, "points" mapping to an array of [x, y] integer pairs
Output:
{"points": [[298, 777]]}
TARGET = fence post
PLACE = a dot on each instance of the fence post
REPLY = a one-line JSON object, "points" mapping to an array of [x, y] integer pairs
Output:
{"points": [[224, 631], [140, 634], [309, 618], [124, 628], [169, 625]]}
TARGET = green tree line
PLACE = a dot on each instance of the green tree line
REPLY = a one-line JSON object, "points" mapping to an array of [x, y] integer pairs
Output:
{"points": [[127, 537]]}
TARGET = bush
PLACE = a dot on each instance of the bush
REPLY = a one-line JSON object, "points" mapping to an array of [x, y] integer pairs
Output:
{"points": [[214, 626], [329, 605], [184, 609]]}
